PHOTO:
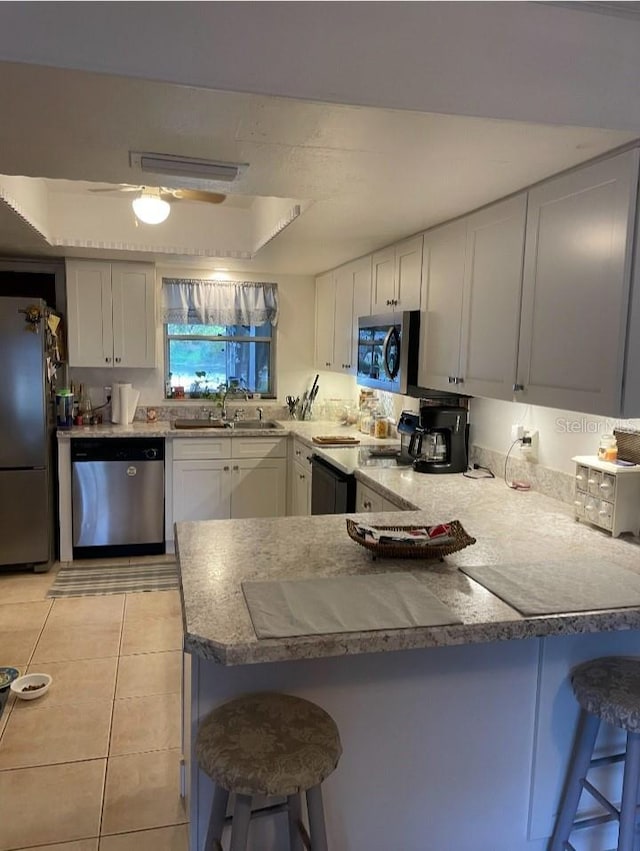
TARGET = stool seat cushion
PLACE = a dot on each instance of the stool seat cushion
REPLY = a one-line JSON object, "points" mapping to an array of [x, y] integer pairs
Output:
{"points": [[610, 688], [268, 744]]}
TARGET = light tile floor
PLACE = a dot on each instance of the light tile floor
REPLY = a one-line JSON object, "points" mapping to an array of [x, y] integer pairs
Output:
{"points": [[93, 765]]}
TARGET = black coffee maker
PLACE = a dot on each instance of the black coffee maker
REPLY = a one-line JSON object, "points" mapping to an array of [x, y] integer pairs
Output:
{"points": [[440, 444]]}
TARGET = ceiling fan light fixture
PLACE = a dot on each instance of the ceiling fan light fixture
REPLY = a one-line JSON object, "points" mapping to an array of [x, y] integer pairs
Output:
{"points": [[188, 167], [150, 208]]}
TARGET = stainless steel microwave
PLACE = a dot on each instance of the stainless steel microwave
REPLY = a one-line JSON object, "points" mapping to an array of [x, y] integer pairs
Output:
{"points": [[388, 351]]}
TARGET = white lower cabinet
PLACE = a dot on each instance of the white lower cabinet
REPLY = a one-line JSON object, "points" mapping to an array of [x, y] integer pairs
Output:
{"points": [[258, 487], [219, 479], [300, 490], [300, 480], [368, 500], [201, 490]]}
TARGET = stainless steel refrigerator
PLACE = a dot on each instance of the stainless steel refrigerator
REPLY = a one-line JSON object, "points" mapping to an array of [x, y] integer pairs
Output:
{"points": [[27, 514]]}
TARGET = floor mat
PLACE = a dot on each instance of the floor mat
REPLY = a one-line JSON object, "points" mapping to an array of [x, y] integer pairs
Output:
{"points": [[95, 580]]}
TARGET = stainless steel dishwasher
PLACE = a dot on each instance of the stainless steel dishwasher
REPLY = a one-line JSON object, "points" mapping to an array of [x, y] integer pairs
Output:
{"points": [[117, 496]]}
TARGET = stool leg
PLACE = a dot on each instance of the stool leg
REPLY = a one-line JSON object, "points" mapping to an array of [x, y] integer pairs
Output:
{"points": [[216, 819], [317, 827], [588, 726], [629, 793], [295, 817], [240, 823]]}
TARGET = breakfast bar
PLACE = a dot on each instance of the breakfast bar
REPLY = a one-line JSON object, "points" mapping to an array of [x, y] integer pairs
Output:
{"points": [[455, 736]]}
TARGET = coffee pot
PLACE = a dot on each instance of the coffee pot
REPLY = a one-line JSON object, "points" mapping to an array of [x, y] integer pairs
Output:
{"points": [[407, 425], [439, 444]]}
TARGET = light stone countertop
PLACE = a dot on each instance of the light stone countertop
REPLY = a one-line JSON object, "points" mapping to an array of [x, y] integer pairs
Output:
{"points": [[304, 431], [510, 526]]}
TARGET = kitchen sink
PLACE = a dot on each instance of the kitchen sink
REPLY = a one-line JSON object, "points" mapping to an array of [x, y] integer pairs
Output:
{"points": [[200, 424], [257, 424]]}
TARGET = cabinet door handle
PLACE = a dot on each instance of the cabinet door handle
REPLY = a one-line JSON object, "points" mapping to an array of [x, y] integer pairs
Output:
{"points": [[107, 360], [235, 467], [452, 379], [459, 380], [118, 360], [366, 504], [298, 453], [226, 469], [301, 476], [309, 458], [518, 388]]}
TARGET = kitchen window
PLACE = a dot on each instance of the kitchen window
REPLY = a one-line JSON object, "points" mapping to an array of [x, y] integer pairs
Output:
{"points": [[219, 333]]}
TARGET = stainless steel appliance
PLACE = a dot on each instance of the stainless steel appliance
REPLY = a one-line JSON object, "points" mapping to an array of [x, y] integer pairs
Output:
{"points": [[27, 505], [118, 496], [332, 491], [440, 443], [388, 351]]}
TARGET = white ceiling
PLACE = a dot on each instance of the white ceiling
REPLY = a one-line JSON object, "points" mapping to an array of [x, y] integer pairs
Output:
{"points": [[367, 176]]}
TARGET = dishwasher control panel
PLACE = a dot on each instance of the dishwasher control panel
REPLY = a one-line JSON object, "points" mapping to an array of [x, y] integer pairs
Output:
{"points": [[117, 449]]}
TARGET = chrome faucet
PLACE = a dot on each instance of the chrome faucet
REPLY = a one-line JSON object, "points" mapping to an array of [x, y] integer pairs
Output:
{"points": [[260, 412], [234, 390]]}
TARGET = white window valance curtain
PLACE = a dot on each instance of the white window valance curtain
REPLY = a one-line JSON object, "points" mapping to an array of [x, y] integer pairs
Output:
{"points": [[201, 302]]}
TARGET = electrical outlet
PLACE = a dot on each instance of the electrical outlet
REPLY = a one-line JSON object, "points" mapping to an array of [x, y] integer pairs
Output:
{"points": [[517, 431], [529, 450]]}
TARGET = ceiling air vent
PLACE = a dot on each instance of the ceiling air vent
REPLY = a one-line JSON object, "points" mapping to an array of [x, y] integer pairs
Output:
{"points": [[186, 166]]}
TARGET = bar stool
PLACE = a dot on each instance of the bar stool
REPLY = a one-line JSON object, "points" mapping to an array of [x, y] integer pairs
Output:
{"points": [[268, 744], [607, 689]]}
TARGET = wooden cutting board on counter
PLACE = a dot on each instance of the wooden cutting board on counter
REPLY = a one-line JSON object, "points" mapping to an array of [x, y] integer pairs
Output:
{"points": [[335, 440]]}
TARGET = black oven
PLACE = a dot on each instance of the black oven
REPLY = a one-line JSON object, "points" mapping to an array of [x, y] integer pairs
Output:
{"points": [[388, 351], [332, 491]]}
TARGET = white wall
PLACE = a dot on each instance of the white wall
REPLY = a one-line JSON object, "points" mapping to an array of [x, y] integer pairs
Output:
{"points": [[295, 340], [562, 434]]}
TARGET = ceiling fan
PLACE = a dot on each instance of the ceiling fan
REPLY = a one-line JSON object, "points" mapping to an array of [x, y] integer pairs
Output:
{"points": [[152, 204]]}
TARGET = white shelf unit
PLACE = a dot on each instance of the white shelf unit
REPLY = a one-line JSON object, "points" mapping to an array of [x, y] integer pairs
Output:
{"points": [[607, 495]]}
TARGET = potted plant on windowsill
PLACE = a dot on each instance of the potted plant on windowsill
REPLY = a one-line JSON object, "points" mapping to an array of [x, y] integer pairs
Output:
{"points": [[197, 390]]}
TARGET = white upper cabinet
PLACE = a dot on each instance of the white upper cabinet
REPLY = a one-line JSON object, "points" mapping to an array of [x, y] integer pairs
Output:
{"points": [[111, 314], [343, 320], [408, 274], [341, 297], [397, 276], [441, 318], [472, 270], [574, 344], [134, 314], [382, 284], [89, 313], [325, 311], [491, 299]]}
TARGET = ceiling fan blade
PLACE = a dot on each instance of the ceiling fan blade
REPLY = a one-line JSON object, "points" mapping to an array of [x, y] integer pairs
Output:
{"points": [[198, 195], [123, 188]]}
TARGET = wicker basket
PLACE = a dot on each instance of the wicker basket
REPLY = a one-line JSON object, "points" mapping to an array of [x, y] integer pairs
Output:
{"points": [[429, 551], [628, 445]]}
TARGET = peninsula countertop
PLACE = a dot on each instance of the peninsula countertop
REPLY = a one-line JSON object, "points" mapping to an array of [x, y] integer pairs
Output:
{"points": [[215, 557]]}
